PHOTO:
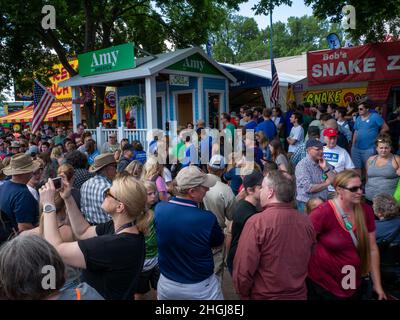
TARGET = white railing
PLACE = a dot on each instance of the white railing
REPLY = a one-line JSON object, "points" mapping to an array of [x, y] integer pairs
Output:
{"points": [[101, 134]]}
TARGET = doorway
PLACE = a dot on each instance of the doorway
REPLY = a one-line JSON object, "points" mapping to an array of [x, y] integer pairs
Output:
{"points": [[214, 110], [185, 108]]}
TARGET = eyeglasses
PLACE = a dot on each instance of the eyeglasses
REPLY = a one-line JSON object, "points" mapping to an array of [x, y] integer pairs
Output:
{"points": [[107, 193], [353, 189], [361, 109]]}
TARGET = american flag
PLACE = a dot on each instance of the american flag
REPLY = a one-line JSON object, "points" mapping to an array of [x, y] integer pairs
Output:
{"points": [[275, 84], [42, 101]]}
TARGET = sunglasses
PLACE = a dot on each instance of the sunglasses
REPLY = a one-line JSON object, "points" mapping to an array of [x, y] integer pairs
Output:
{"points": [[107, 193], [361, 109], [354, 189]]}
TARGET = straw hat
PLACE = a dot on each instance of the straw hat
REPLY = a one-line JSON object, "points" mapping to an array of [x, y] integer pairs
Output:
{"points": [[101, 161], [20, 164]]}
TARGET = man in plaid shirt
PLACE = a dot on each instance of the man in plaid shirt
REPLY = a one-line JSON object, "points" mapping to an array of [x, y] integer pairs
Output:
{"points": [[92, 191]]}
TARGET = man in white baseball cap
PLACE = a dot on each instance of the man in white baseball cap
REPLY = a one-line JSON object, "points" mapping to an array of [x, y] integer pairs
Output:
{"points": [[186, 235]]}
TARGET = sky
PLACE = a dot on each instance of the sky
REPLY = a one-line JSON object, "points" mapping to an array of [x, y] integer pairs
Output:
{"points": [[281, 13]]}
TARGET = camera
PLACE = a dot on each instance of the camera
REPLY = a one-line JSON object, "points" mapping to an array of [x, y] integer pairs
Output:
{"points": [[57, 182]]}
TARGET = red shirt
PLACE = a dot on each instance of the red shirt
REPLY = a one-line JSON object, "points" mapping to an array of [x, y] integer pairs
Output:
{"points": [[272, 256], [334, 250]]}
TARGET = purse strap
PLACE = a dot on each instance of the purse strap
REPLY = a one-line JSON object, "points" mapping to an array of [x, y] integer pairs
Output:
{"points": [[347, 223]]}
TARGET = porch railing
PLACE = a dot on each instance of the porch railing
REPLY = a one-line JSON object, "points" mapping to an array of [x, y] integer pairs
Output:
{"points": [[101, 135]]}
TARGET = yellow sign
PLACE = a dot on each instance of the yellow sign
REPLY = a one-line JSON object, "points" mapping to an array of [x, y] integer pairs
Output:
{"points": [[339, 96], [62, 74]]}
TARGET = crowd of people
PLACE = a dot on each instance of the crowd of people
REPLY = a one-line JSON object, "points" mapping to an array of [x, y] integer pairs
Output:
{"points": [[305, 205]]}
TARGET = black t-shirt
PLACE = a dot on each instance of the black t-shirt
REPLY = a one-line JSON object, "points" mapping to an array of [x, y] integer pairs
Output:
{"points": [[113, 262], [243, 211]]}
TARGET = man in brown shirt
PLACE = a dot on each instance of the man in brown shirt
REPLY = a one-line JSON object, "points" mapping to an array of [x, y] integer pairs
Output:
{"points": [[275, 246]]}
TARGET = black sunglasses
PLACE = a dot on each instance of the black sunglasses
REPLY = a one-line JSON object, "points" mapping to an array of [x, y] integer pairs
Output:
{"points": [[354, 189], [107, 193]]}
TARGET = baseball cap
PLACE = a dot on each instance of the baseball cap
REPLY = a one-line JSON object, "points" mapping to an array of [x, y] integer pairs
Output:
{"points": [[330, 132], [112, 135], [192, 176], [217, 162], [314, 143], [253, 179]]}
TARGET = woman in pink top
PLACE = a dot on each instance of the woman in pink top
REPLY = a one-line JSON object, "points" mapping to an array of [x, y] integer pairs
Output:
{"points": [[341, 257], [153, 171]]}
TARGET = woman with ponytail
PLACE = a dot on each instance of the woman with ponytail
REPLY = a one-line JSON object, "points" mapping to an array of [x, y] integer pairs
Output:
{"points": [[111, 254], [346, 249]]}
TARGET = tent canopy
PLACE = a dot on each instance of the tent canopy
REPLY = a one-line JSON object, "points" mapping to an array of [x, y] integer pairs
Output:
{"points": [[26, 115]]}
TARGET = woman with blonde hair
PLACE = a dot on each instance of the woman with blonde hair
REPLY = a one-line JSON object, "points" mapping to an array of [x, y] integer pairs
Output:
{"points": [[345, 229], [153, 171], [111, 254]]}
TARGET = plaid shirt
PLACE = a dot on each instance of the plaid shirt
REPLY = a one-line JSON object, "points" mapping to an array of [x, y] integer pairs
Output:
{"points": [[299, 154], [92, 197], [308, 174]]}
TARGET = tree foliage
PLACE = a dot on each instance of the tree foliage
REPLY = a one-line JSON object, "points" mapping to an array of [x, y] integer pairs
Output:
{"points": [[239, 38], [374, 19], [27, 51]]}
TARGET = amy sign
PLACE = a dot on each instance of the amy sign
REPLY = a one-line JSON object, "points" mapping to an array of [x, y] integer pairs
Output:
{"points": [[107, 60]]}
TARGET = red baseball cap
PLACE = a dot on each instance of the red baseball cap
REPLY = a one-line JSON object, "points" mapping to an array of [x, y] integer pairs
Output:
{"points": [[330, 132]]}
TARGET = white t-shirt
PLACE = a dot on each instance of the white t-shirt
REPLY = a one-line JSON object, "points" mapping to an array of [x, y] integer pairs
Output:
{"points": [[298, 134], [338, 158]]}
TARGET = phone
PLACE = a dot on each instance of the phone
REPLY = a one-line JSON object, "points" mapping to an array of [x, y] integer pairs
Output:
{"points": [[57, 182]]}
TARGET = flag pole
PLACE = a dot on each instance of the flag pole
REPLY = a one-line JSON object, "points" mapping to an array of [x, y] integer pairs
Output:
{"points": [[270, 40]]}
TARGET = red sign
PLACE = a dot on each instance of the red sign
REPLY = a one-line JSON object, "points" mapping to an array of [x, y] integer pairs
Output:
{"points": [[369, 62]]}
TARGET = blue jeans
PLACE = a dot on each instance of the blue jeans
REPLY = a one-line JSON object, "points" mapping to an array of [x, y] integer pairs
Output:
{"points": [[360, 156]]}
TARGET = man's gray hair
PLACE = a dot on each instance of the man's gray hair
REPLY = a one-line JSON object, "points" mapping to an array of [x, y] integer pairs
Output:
{"points": [[284, 188]]}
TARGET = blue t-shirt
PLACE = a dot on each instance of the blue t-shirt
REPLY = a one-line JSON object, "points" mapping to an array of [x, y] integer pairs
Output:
{"points": [[251, 125], [92, 156], [268, 128], [18, 203], [140, 156], [185, 236], [191, 156], [367, 131], [235, 180]]}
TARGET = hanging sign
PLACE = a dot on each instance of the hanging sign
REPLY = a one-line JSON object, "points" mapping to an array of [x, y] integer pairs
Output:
{"points": [[176, 80]]}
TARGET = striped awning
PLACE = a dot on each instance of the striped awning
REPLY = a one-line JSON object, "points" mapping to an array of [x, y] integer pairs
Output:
{"points": [[26, 115]]}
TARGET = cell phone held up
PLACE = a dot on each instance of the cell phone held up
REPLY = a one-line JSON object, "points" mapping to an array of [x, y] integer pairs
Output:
{"points": [[57, 183]]}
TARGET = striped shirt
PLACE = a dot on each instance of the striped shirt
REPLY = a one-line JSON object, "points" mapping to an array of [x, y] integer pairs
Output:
{"points": [[308, 174], [92, 197]]}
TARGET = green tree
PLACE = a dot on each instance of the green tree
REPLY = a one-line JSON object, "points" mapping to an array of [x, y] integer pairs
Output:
{"points": [[373, 18], [26, 49]]}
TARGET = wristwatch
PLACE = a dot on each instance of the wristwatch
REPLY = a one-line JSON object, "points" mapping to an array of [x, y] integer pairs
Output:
{"points": [[48, 208], [327, 170]]}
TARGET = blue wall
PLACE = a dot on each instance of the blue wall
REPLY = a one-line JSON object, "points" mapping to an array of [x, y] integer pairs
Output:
{"points": [[139, 90]]}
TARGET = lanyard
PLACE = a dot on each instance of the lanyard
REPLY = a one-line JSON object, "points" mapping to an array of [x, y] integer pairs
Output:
{"points": [[347, 223], [125, 226]]}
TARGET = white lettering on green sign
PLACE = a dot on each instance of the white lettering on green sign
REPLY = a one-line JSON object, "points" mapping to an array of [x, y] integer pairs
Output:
{"points": [[107, 60], [194, 64], [104, 59]]}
